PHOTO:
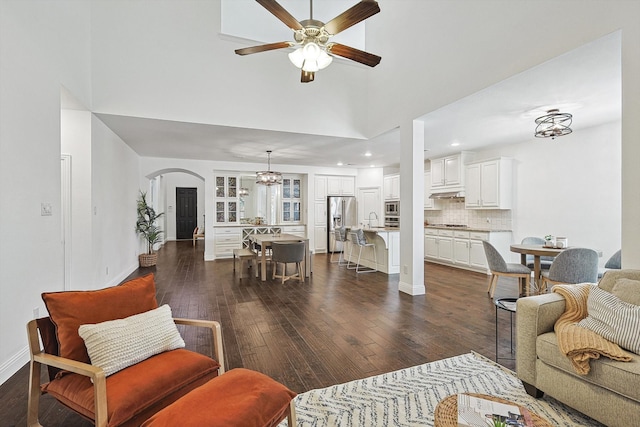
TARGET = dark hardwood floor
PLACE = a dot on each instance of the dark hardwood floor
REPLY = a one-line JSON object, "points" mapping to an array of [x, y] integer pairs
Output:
{"points": [[335, 327]]}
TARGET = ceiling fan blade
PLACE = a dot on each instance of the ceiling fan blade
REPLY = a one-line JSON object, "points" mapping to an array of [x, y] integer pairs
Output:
{"points": [[354, 54], [307, 76], [281, 13], [263, 48], [357, 13]]}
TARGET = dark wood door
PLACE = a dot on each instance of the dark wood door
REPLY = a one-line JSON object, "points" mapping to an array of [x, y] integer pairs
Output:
{"points": [[186, 212]]}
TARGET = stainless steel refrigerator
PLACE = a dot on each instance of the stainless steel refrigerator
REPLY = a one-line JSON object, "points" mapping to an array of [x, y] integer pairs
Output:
{"points": [[341, 212]]}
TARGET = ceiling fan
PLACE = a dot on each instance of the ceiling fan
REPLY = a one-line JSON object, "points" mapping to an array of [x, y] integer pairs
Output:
{"points": [[314, 50]]}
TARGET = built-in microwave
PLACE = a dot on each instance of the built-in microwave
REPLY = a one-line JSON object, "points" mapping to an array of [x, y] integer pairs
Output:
{"points": [[392, 208]]}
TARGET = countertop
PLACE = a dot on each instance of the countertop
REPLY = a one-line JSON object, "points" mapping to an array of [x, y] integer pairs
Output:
{"points": [[439, 227], [376, 229]]}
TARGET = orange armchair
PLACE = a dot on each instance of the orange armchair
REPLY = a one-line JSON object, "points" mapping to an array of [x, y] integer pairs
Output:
{"points": [[127, 397]]}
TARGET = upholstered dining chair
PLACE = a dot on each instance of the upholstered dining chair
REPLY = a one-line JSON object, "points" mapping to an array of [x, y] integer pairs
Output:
{"points": [[288, 253], [545, 261], [499, 267], [613, 263], [573, 265]]}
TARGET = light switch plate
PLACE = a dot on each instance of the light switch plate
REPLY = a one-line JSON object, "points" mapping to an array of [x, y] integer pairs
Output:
{"points": [[45, 209]]}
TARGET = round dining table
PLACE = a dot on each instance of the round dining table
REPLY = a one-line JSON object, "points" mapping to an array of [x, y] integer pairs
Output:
{"points": [[537, 251]]}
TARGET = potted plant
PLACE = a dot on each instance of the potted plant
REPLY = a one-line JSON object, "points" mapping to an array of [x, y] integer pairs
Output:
{"points": [[146, 227]]}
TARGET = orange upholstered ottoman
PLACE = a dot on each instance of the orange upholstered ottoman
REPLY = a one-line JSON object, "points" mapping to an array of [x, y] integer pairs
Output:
{"points": [[240, 397]]}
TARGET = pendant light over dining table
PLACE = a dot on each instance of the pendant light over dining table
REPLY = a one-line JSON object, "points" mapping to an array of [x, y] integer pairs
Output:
{"points": [[268, 177]]}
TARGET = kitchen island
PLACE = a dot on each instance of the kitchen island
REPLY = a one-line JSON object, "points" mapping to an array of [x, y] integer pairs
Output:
{"points": [[387, 243]]}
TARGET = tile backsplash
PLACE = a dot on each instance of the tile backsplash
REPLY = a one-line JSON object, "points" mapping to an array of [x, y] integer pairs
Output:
{"points": [[454, 212]]}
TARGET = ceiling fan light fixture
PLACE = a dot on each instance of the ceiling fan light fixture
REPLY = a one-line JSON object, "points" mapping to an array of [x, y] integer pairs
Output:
{"points": [[268, 177], [297, 58], [553, 124]]}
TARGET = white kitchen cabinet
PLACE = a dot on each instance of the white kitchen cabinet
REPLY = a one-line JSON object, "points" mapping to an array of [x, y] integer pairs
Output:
{"points": [[430, 243], [320, 213], [320, 188], [447, 173], [429, 203], [320, 239], [391, 185], [438, 245], [225, 240], [477, 257], [296, 230], [462, 248], [489, 184], [341, 186]]}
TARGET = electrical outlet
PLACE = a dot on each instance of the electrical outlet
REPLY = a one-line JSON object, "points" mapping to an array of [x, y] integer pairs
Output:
{"points": [[36, 313], [405, 269]]}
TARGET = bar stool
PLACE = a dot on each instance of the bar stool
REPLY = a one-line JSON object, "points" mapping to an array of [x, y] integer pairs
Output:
{"points": [[340, 236], [358, 239]]}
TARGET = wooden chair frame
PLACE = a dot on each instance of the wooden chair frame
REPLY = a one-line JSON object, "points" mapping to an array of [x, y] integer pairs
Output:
{"points": [[98, 378], [494, 281]]}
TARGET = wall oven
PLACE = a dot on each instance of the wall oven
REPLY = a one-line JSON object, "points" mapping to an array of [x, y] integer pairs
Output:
{"points": [[392, 214]]}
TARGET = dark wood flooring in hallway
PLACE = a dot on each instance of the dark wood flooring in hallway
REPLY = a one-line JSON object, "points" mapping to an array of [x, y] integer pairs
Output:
{"points": [[335, 327]]}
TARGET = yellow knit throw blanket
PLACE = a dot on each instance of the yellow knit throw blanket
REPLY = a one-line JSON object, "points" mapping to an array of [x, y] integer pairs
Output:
{"points": [[579, 344]]}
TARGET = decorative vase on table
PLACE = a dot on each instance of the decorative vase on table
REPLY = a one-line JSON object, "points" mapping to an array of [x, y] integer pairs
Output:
{"points": [[147, 228]]}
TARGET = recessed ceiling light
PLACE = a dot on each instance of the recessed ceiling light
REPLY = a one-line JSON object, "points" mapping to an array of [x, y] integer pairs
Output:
{"points": [[340, 163], [368, 154], [373, 166], [455, 143]]}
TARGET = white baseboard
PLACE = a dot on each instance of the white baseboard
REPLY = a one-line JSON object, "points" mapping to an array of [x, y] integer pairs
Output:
{"points": [[13, 364], [410, 289]]}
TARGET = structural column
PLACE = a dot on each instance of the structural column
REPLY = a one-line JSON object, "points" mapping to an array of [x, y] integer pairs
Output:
{"points": [[412, 208]]}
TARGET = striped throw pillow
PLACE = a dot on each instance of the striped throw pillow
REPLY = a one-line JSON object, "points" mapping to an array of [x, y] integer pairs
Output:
{"points": [[116, 344], [613, 319]]}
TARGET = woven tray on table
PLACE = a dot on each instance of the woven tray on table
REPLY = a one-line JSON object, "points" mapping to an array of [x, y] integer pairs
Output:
{"points": [[446, 414]]}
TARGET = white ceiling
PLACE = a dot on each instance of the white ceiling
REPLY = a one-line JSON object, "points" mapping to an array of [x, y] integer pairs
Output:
{"points": [[585, 82]]}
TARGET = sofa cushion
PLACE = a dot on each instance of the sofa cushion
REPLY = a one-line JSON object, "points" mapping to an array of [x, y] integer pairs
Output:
{"points": [[613, 319], [243, 398], [619, 377], [162, 378], [116, 344], [70, 309], [627, 290]]}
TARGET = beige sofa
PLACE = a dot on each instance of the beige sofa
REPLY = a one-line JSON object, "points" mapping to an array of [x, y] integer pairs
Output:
{"points": [[610, 393]]}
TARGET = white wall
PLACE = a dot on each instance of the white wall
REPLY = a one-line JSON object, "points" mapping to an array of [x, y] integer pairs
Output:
{"points": [[205, 81], [43, 45], [171, 181], [75, 128], [115, 172]]}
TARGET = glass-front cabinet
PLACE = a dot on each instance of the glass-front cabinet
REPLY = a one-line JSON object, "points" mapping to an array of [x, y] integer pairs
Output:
{"points": [[226, 200], [291, 199], [239, 200]]}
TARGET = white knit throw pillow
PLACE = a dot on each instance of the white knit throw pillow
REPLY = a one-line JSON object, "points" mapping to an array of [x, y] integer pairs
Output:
{"points": [[116, 344]]}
